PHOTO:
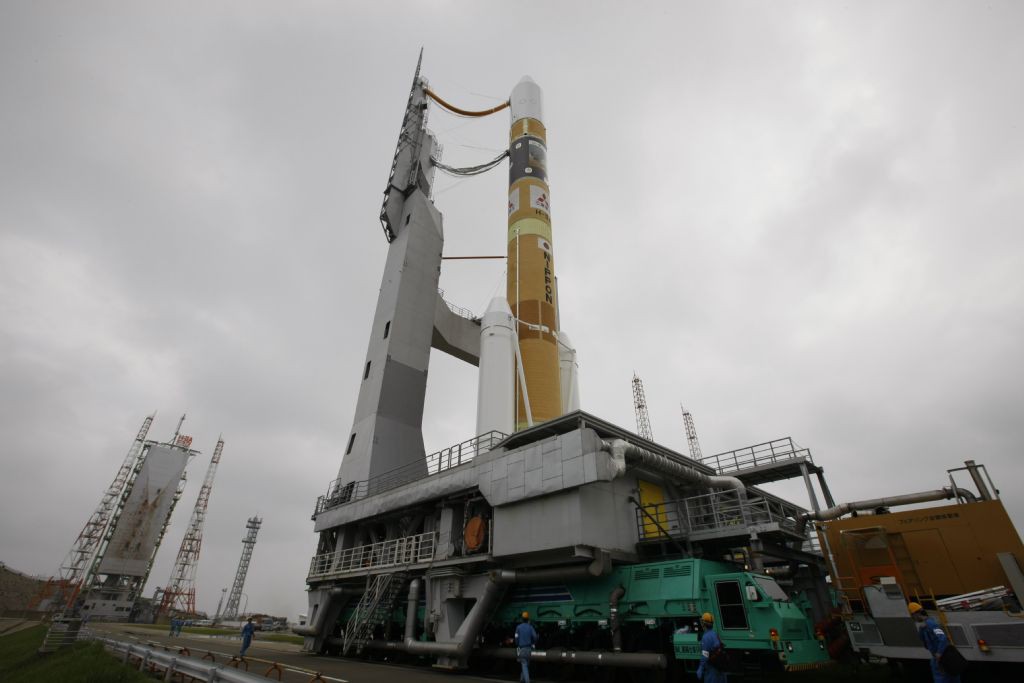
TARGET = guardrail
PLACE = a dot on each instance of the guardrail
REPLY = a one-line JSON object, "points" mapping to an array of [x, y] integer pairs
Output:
{"points": [[341, 493], [718, 511], [396, 552], [768, 453], [170, 663], [458, 310]]}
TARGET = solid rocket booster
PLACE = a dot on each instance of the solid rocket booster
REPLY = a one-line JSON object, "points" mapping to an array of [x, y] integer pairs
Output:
{"points": [[532, 293], [570, 380], [496, 390]]}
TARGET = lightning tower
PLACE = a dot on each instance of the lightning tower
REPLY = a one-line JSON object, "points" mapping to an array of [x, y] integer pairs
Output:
{"points": [[643, 421], [80, 563], [253, 526], [180, 593], [691, 434]]}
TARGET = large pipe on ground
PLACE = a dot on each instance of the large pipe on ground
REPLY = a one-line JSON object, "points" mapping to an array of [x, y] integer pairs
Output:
{"points": [[321, 614], [623, 452], [559, 655], [944, 493]]}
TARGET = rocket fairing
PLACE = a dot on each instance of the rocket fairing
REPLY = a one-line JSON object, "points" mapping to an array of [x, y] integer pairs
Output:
{"points": [[532, 293]]}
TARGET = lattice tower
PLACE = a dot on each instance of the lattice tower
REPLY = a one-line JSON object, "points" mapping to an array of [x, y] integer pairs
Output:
{"points": [[180, 592], [253, 526], [643, 421], [81, 561], [691, 434]]}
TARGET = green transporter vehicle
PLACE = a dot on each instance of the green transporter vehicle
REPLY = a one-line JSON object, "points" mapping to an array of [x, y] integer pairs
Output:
{"points": [[656, 607]]}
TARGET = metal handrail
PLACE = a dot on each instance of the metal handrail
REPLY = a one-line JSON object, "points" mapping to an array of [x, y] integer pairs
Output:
{"points": [[768, 453], [720, 510], [458, 310], [340, 493], [396, 552]]}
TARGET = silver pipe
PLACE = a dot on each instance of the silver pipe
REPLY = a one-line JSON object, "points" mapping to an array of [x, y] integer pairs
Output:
{"points": [[474, 622], [559, 655], [944, 493], [623, 451], [410, 611], [314, 628]]}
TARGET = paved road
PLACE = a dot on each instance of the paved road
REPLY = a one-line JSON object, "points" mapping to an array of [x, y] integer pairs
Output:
{"points": [[289, 656]]}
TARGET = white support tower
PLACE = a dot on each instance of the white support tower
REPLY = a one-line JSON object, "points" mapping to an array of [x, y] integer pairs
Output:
{"points": [[691, 434], [80, 563], [180, 593], [643, 420], [253, 526]]}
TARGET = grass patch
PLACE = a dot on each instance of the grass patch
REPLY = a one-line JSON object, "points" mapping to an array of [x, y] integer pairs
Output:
{"points": [[83, 662]]}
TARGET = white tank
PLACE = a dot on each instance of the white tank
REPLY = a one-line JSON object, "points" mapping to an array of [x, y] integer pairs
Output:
{"points": [[569, 373], [495, 402]]}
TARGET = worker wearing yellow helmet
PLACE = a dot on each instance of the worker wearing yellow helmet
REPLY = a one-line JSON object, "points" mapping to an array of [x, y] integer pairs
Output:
{"points": [[937, 642], [525, 639], [712, 652]]}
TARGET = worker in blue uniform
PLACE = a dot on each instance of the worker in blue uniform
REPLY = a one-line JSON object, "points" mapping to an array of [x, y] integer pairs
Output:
{"points": [[248, 631], [935, 639], [710, 649], [525, 638]]}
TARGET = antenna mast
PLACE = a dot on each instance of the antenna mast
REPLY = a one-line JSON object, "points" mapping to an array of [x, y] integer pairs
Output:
{"points": [[180, 592]]}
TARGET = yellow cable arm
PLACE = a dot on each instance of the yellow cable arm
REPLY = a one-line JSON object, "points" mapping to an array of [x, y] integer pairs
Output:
{"points": [[452, 108]]}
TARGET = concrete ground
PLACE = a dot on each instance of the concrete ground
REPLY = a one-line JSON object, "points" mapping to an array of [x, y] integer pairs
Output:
{"points": [[298, 666]]}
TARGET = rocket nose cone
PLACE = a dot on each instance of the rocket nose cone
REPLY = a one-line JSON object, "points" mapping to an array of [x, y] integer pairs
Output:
{"points": [[499, 304], [526, 100]]}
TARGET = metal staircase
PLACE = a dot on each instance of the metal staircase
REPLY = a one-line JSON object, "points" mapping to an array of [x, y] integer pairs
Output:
{"points": [[373, 609]]}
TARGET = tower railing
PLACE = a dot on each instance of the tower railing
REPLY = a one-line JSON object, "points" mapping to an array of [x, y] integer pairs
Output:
{"points": [[341, 493], [719, 512], [769, 453], [407, 550]]}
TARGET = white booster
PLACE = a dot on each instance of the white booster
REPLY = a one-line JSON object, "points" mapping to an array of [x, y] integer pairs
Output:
{"points": [[568, 373], [496, 392]]}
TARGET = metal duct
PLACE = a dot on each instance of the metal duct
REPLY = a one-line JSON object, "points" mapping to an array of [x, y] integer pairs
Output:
{"points": [[944, 493], [622, 452]]}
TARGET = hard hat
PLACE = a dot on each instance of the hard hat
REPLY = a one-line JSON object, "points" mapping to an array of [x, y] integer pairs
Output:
{"points": [[914, 607], [526, 615], [707, 616]]}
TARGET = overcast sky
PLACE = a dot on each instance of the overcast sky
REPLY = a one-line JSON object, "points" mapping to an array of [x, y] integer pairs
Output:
{"points": [[798, 219]]}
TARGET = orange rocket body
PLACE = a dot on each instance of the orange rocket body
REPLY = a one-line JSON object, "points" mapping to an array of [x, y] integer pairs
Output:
{"points": [[532, 290]]}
